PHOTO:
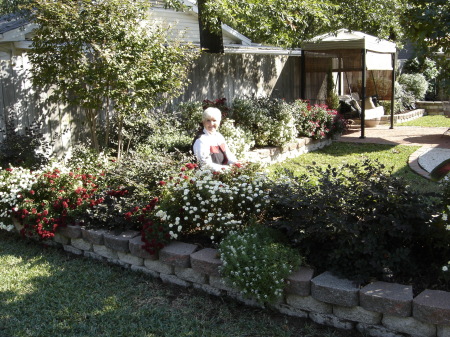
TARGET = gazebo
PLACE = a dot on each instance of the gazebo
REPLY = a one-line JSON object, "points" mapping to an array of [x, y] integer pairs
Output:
{"points": [[359, 63]]}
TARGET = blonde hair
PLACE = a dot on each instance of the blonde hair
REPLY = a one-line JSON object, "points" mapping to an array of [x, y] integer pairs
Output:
{"points": [[211, 112]]}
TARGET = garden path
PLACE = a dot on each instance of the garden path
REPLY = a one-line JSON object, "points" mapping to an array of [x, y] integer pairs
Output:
{"points": [[434, 142]]}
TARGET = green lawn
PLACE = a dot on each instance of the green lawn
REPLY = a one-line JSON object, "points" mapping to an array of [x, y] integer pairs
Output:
{"points": [[394, 157], [431, 121], [47, 292]]}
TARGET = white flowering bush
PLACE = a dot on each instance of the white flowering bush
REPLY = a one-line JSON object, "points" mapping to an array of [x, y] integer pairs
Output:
{"points": [[256, 264], [239, 140], [210, 203], [270, 121], [12, 182]]}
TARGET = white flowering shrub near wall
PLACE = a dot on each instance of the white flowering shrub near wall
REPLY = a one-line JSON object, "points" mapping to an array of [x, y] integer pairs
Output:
{"points": [[12, 182], [255, 263], [239, 140], [211, 202]]}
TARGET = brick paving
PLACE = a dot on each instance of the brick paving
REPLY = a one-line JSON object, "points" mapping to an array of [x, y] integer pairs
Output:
{"points": [[426, 137]]}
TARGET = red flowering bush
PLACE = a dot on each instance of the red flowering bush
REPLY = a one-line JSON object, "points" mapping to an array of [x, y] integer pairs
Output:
{"points": [[317, 121], [51, 201]]}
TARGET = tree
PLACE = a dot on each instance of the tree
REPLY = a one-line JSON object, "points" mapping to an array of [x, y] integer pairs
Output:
{"points": [[427, 23], [290, 23], [105, 57]]}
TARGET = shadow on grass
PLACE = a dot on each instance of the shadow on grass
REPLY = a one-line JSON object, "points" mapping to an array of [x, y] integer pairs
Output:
{"points": [[47, 292]]}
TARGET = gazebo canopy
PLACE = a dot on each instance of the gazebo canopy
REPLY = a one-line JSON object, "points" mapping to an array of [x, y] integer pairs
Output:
{"points": [[349, 53], [344, 39]]}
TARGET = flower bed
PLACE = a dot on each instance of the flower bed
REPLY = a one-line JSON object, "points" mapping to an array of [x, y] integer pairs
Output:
{"points": [[377, 309]]}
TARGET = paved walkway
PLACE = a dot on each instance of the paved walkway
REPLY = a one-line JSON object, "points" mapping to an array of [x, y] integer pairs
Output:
{"points": [[434, 142]]}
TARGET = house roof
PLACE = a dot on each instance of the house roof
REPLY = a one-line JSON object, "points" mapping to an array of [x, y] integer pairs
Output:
{"points": [[345, 39], [10, 22]]}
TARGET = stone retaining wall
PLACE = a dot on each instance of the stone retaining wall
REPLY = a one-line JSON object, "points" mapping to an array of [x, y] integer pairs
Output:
{"points": [[378, 309], [434, 107], [404, 117], [270, 155]]}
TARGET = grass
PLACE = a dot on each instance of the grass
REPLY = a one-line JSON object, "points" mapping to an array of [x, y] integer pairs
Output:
{"points": [[428, 121], [47, 292], [394, 157]]}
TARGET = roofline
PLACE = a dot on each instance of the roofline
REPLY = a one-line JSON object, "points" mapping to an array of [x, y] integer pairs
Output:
{"points": [[245, 40]]}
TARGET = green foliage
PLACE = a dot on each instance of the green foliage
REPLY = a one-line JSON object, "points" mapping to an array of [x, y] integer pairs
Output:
{"points": [[290, 23], [29, 150], [256, 263], [420, 23], [190, 116], [51, 201], [127, 186], [414, 84], [269, 120], [104, 56], [360, 222]]}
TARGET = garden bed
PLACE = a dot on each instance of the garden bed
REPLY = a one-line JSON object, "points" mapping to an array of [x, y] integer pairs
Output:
{"points": [[377, 309]]}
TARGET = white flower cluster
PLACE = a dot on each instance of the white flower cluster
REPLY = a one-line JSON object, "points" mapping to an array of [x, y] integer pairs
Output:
{"points": [[12, 182], [255, 265], [204, 202]]}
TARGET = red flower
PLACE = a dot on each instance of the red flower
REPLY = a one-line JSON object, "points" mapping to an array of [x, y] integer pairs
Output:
{"points": [[162, 183], [8, 169]]}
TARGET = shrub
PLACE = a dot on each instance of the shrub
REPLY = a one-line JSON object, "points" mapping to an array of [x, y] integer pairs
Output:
{"points": [[316, 121], [255, 263], [12, 182], [29, 150], [211, 203], [239, 140], [270, 121], [414, 84], [360, 222], [51, 200], [190, 114]]}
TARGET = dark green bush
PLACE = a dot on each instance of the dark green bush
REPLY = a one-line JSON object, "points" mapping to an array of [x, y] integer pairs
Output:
{"points": [[29, 150], [361, 222]]}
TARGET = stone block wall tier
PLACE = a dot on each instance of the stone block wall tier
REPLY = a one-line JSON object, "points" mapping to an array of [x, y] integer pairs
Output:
{"points": [[388, 298], [135, 245], [432, 306], [70, 231], [94, 236], [299, 282], [177, 254], [119, 242], [331, 289], [206, 261]]}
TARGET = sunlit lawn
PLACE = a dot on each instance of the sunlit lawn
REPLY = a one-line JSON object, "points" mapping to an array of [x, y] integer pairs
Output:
{"points": [[46, 292], [430, 121], [394, 157]]}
